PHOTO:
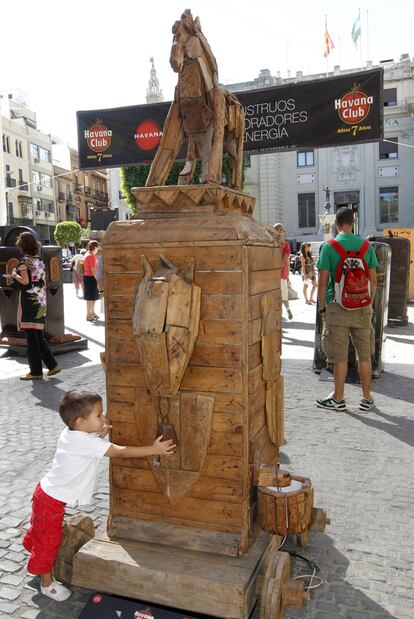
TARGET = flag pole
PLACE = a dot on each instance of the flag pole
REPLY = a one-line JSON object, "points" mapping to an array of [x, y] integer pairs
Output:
{"points": [[368, 58], [327, 55], [360, 36]]}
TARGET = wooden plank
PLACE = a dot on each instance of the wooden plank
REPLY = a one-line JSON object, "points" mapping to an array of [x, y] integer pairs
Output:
{"points": [[226, 443], [121, 394], [155, 362], [152, 309], [218, 282], [256, 379], [125, 434], [120, 330], [222, 355], [224, 585], [264, 258], [122, 283], [123, 259], [205, 487], [120, 412], [223, 467], [220, 332], [125, 375], [122, 352], [119, 306], [224, 307], [196, 414], [227, 422], [264, 281], [223, 380], [255, 331], [261, 450], [228, 403], [255, 355], [131, 504], [255, 310], [257, 399], [175, 536], [257, 421]]}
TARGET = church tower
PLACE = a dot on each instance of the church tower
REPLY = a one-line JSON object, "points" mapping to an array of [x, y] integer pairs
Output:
{"points": [[154, 93]]}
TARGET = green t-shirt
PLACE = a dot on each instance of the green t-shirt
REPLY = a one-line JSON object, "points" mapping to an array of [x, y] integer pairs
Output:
{"points": [[329, 258]]}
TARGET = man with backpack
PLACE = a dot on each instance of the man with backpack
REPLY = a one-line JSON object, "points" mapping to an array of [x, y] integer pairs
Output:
{"points": [[347, 284]]}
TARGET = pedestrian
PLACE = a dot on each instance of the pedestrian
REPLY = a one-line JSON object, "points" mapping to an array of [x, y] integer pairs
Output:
{"points": [[90, 284], [71, 479], [284, 271], [30, 280], [100, 272], [78, 270], [308, 272], [345, 295]]}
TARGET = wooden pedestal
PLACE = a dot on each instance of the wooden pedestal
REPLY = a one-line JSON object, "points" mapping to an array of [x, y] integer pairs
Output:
{"points": [[197, 582]]}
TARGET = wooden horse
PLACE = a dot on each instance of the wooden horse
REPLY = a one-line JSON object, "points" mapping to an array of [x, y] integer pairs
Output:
{"points": [[206, 114]]}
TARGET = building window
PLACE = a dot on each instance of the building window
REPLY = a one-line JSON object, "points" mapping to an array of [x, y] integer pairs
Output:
{"points": [[16, 143], [388, 149], [21, 181], [36, 179], [34, 152], [390, 97], [306, 210], [44, 154], [20, 149], [247, 162], [305, 158], [388, 205]]}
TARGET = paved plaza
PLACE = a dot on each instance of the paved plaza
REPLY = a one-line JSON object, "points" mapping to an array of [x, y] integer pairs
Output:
{"points": [[361, 465]]}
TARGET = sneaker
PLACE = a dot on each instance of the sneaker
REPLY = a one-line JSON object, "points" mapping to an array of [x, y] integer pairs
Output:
{"points": [[56, 591], [290, 315], [54, 371], [31, 377], [331, 404], [366, 405]]}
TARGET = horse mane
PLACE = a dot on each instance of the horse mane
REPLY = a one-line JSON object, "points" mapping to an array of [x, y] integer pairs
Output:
{"points": [[209, 56]]}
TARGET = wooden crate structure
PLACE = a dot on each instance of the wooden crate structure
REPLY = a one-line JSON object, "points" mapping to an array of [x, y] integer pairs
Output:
{"points": [[235, 361]]}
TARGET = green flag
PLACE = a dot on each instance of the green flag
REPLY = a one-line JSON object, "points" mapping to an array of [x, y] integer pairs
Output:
{"points": [[356, 30]]}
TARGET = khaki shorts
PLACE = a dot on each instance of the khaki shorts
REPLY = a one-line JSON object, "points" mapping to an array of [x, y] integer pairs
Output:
{"points": [[284, 289], [339, 324]]}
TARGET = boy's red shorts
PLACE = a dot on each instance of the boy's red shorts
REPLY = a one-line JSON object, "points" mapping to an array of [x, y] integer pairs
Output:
{"points": [[43, 538]]}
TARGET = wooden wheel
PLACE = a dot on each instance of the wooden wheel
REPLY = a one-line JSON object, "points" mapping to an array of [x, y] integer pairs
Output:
{"points": [[279, 590], [278, 570], [77, 530]]}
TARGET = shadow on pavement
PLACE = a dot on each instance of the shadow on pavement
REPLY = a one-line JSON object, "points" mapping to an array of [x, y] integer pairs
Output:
{"points": [[396, 385], [400, 428], [48, 393], [338, 590], [291, 341]]}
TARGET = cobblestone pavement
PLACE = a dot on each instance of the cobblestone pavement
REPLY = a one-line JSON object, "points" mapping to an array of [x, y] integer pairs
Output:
{"points": [[361, 466]]}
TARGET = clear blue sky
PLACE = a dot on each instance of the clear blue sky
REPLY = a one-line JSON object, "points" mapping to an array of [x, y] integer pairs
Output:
{"points": [[89, 54]]}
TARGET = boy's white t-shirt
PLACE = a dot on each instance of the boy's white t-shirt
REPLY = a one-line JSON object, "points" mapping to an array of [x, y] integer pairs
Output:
{"points": [[72, 476]]}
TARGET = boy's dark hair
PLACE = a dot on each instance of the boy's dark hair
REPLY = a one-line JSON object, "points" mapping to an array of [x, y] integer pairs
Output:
{"points": [[344, 215], [77, 403]]}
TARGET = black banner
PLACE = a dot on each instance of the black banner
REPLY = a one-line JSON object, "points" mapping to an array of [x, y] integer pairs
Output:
{"points": [[335, 111]]}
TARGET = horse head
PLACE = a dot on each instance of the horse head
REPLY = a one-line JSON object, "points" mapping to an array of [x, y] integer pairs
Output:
{"points": [[186, 43]]}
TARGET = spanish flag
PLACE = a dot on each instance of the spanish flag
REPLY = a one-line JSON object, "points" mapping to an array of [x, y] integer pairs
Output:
{"points": [[328, 43]]}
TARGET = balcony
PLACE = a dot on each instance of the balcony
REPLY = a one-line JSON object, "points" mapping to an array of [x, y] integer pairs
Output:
{"points": [[61, 196], [10, 182], [87, 190], [101, 195], [79, 188], [23, 186]]}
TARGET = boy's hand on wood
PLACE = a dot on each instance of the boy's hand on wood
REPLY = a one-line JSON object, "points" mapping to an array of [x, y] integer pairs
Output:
{"points": [[163, 448]]}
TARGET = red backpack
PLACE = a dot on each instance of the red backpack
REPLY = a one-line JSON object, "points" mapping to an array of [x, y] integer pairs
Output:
{"points": [[352, 283]]}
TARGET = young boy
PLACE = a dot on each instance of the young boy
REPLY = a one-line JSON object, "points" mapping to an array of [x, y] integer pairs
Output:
{"points": [[71, 480]]}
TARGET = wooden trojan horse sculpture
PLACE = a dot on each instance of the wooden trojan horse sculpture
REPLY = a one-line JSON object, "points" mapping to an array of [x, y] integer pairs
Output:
{"points": [[193, 337], [206, 114]]}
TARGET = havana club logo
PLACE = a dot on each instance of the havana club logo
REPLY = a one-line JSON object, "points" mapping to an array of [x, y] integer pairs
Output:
{"points": [[147, 135], [98, 137], [354, 106]]}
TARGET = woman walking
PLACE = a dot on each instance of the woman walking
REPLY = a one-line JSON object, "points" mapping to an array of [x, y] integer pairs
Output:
{"points": [[29, 279], [90, 284], [77, 272], [308, 272]]}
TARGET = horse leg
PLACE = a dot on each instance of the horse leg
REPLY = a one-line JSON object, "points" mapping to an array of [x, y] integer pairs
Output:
{"points": [[215, 157], [237, 167], [168, 149], [186, 174]]}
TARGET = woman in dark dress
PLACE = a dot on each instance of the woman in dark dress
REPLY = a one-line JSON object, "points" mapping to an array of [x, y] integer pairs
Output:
{"points": [[29, 279], [90, 283]]}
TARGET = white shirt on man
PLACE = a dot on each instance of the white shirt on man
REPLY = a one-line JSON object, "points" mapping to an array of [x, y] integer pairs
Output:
{"points": [[72, 476]]}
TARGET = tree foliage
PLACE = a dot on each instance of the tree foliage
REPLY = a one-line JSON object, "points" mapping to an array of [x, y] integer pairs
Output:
{"points": [[68, 232], [136, 176], [85, 233]]}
